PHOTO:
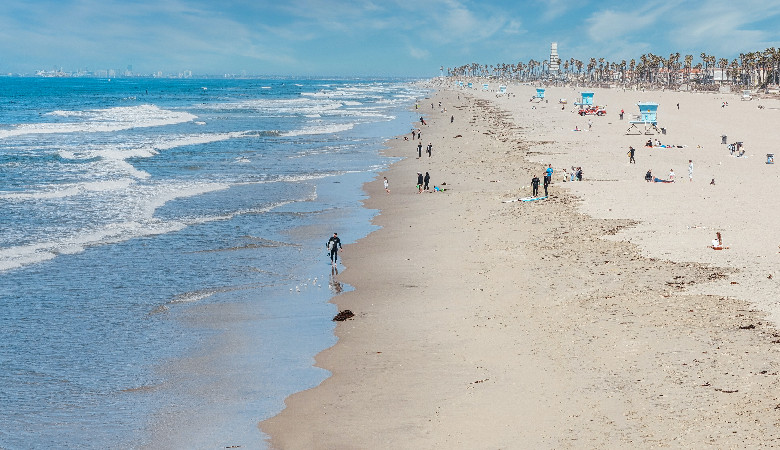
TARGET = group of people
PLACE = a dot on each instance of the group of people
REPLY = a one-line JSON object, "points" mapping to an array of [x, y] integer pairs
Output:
{"points": [[649, 175], [575, 174], [422, 182], [428, 149], [737, 148], [548, 172]]}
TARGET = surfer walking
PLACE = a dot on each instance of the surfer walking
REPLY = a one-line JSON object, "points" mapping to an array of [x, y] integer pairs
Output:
{"points": [[334, 245], [535, 185]]}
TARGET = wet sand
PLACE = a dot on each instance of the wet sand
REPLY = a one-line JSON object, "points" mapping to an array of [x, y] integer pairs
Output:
{"points": [[597, 318]]}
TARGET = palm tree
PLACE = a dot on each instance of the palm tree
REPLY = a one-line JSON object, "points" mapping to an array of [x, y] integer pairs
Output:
{"points": [[688, 63]]}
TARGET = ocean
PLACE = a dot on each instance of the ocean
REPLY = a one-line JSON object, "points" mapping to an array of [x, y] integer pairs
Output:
{"points": [[164, 281]]}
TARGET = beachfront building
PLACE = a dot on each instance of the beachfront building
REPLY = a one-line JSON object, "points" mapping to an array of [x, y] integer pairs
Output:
{"points": [[555, 61]]}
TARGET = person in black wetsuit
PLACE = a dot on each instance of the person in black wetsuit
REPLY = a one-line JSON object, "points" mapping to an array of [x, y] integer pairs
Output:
{"points": [[426, 180], [420, 182], [535, 185], [334, 245]]}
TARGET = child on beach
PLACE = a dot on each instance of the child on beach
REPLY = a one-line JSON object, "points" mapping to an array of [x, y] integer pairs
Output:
{"points": [[387, 185]]}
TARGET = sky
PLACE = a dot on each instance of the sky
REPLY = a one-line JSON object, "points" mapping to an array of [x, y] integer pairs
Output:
{"points": [[405, 38]]}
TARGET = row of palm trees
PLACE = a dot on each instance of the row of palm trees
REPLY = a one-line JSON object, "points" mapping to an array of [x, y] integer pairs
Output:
{"points": [[754, 69]]}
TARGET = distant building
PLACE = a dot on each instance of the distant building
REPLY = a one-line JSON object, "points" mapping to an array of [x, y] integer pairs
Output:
{"points": [[554, 59]]}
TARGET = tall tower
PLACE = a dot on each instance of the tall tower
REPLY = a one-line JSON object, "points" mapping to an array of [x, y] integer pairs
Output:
{"points": [[554, 57]]}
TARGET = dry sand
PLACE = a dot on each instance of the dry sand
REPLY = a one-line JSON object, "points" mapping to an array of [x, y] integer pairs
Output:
{"points": [[597, 318]]}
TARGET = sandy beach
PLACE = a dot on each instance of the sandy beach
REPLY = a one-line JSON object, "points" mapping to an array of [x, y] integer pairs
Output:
{"points": [[596, 318]]}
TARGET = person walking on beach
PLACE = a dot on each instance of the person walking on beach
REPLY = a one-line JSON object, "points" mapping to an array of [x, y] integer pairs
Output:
{"points": [[420, 182], [590, 125], [452, 119], [671, 174], [334, 245], [419, 149], [387, 185], [426, 180], [429, 149], [535, 185], [546, 184], [631, 159], [548, 172], [690, 170]]}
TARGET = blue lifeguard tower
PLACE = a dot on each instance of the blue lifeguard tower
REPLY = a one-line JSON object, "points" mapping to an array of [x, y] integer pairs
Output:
{"points": [[647, 118], [586, 100], [539, 95]]}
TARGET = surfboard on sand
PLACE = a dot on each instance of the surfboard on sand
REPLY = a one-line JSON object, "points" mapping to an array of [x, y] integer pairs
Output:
{"points": [[524, 199]]}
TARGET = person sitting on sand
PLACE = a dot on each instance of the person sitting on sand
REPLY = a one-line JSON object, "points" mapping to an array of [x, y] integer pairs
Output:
{"points": [[649, 143], [649, 175], [717, 243]]}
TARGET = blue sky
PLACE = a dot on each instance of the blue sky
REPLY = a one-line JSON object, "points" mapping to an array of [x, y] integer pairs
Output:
{"points": [[366, 37]]}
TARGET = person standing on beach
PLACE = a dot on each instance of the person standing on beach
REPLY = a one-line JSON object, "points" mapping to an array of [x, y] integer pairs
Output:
{"points": [[690, 170], [420, 182], [546, 184], [535, 185], [419, 149], [429, 149], [387, 185], [631, 159], [590, 125], [334, 245], [452, 119], [426, 180], [671, 174], [548, 172]]}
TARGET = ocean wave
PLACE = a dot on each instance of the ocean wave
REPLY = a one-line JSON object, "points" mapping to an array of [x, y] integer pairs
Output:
{"points": [[37, 252], [320, 129], [102, 120], [71, 189]]}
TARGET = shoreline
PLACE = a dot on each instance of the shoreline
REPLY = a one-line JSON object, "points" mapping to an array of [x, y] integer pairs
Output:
{"points": [[474, 316]]}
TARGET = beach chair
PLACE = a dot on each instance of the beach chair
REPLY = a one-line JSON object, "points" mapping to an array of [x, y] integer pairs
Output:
{"points": [[647, 122]]}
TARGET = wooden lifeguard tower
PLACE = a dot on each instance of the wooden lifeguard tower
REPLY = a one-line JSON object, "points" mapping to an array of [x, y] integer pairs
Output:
{"points": [[647, 118]]}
